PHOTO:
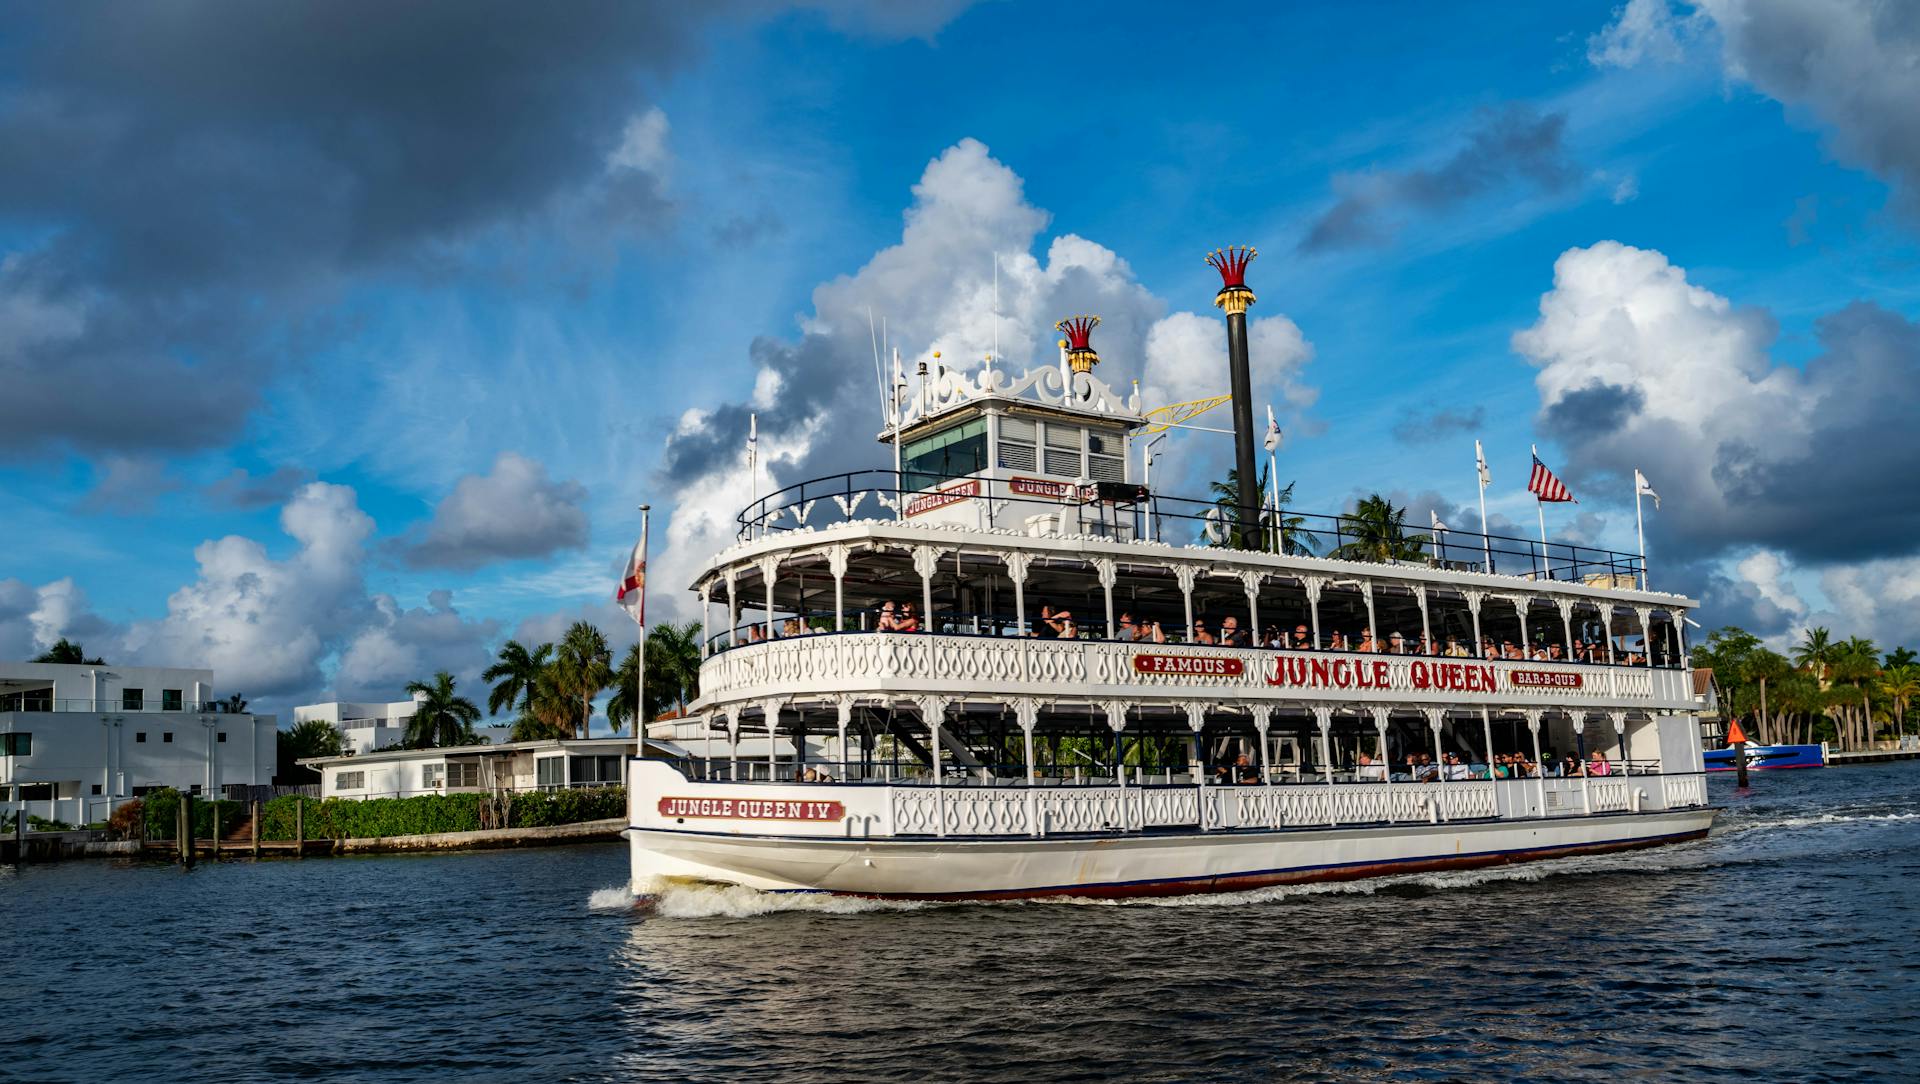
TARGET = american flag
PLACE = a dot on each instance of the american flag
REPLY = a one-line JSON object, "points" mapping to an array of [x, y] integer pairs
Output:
{"points": [[1545, 486]]}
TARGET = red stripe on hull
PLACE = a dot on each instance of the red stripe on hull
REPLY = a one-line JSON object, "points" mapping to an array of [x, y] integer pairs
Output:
{"points": [[1246, 882]]}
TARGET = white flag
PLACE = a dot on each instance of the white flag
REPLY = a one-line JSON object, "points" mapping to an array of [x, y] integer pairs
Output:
{"points": [[1480, 464], [1644, 488], [1437, 525], [633, 585], [1273, 431]]}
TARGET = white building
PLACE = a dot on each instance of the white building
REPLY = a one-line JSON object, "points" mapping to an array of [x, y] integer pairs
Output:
{"points": [[363, 727], [550, 764], [76, 740]]}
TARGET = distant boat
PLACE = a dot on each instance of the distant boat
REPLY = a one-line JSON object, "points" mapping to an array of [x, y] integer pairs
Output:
{"points": [[1766, 757]]}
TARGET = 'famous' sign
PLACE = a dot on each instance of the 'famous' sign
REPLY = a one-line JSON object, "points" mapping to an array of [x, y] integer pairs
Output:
{"points": [[1189, 665]]}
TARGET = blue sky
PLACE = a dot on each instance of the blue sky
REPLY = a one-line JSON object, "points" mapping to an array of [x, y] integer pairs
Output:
{"points": [[341, 349]]}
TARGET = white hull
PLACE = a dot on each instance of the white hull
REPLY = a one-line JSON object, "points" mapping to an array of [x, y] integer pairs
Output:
{"points": [[1134, 865]]}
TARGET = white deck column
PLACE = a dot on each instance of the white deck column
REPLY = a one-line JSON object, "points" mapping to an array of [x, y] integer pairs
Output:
{"points": [[769, 571], [706, 618], [770, 711], [1426, 623], [1017, 571], [1474, 599], [1250, 580], [1027, 712], [1116, 712], [933, 711], [1186, 574], [733, 606], [1436, 719], [1579, 731], [1566, 621], [1606, 622], [1680, 633], [1381, 714], [1366, 593], [1539, 769], [1197, 725], [926, 561], [733, 746], [1313, 584], [1262, 721], [1521, 604], [1646, 631], [1486, 732], [843, 714], [1107, 571], [837, 564], [1323, 716], [1619, 720]]}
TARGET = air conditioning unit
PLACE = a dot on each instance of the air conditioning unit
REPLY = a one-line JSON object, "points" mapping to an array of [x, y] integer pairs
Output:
{"points": [[1046, 523]]}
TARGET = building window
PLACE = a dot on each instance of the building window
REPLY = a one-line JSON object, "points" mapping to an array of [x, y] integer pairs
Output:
{"points": [[1105, 462], [169, 700], [140, 737], [223, 735], [433, 775], [16, 745], [195, 789], [550, 771], [132, 699], [950, 453], [167, 737], [1017, 436], [96, 788], [463, 773], [350, 781]]}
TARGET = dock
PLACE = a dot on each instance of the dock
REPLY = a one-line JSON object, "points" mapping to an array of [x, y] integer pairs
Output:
{"points": [[1871, 756]]}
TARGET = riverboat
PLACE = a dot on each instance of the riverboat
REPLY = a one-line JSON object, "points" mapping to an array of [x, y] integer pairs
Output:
{"points": [[1009, 668]]}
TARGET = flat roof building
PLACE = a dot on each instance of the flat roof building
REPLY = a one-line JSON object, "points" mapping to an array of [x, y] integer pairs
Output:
{"points": [[549, 764], [76, 740]]}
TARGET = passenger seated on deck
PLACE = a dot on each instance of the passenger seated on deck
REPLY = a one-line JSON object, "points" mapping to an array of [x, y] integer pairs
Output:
{"points": [[1569, 766], [1367, 642], [1453, 769], [1396, 644], [908, 621], [1428, 771], [1369, 772], [1245, 771], [791, 627], [756, 634], [1599, 765], [1230, 635], [1454, 650], [1127, 632], [887, 619], [1336, 642], [1200, 633], [1302, 639], [1553, 653]]}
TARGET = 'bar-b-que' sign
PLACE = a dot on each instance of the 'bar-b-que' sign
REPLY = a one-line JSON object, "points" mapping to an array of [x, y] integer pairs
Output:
{"points": [[752, 809], [1189, 665], [1543, 679]]}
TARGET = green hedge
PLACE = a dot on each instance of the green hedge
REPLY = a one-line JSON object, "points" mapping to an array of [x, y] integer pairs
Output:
{"points": [[162, 808], [373, 818]]}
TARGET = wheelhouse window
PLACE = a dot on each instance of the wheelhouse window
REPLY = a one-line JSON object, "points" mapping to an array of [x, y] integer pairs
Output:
{"points": [[1105, 459], [1063, 450], [1017, 439], [951, 453]]}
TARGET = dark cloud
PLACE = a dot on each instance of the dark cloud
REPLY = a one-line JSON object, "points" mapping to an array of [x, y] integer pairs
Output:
{"points": [[1426, 429], [750, 229], [516, 512], [1507, 146], [209, 172], [1594, 410], [128, 486], [1847, 62], [243, 490]]}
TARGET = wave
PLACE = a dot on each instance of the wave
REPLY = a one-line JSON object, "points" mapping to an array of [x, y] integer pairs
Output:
{"points": [[668, 898]]}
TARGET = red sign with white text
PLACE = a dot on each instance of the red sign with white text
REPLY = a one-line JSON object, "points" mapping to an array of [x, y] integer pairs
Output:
{"points": [[1543, 679], [1042, 487], [752, 809], [927, 502], [1188, 665]]}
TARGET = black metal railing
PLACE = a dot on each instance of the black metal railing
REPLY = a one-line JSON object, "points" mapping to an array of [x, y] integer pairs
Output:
{"points": [[1131, 513]]}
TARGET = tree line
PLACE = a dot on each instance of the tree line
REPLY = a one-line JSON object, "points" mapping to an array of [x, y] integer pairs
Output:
{"points": [[1847, 692]]}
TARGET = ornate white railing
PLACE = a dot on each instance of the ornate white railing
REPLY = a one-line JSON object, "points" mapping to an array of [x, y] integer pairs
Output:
{"points": [[906, 664], [1681, 791]]}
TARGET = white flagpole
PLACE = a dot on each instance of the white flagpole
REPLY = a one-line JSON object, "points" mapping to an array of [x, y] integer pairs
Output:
{"points": [[1540, 507], [1480, 467], [1640, 529], [640, 671]]}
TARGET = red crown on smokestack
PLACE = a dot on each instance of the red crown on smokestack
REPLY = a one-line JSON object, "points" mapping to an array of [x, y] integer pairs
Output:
{"points": [[1081, 357], [1231, 262]]}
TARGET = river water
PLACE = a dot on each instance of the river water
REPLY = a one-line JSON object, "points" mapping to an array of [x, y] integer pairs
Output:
{"points": [[1781, 948]]}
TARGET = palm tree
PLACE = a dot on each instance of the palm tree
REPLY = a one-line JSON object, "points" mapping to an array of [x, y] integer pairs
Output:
{"points": [[1379, 533], [1815, 652], [233, 705], [68, 652], [1226, 500], [514, 676], [581, 668], [441, 717], [306, 738], [1900, 684], [1899, 657], [673, 673]]}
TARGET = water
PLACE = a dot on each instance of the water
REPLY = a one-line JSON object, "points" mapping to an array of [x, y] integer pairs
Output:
{"points": [[1779, 949]]}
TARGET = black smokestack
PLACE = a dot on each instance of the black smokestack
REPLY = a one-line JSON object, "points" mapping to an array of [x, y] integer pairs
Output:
{"points": [[1234, 297]]}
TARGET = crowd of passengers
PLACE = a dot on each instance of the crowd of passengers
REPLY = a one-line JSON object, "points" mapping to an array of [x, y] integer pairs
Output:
{"points": [[1060, 624], [1420, 768]]}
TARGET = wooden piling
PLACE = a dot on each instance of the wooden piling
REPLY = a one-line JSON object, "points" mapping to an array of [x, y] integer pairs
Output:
{"points": [[1740, 764], [299, 827], [184, 820], [20, 835], [256, 828], [214, 804]]}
